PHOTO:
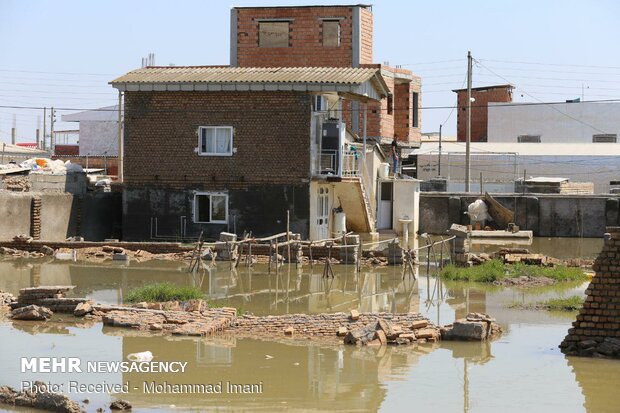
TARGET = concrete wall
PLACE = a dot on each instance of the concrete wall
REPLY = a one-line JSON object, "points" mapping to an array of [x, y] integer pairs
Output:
{"points": [[546, 215], [95, 216], [15, 214], [98, 138], [552, 122], [406, 203], [260, 209]]}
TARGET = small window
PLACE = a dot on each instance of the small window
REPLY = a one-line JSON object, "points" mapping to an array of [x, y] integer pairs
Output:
{"points": [[273, 34], [605, 138], [210, 208], [319, 104], [415, 107], [215, 140], [331, 33], [390, 104], [528, 138]]}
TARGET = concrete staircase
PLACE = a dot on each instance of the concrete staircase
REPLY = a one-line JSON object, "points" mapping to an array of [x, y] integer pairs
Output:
{"points": [[362, 204]]}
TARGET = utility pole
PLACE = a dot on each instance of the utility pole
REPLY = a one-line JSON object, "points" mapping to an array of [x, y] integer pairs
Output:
{"points": [[439, 163], [13, 136], [468, 131], [44, 127], [52, 120]]}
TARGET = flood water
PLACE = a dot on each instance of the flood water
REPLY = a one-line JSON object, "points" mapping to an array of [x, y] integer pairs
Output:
{"points": [[522, 371]]}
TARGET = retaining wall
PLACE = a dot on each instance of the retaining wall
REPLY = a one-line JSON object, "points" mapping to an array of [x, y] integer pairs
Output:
{"points": [[545, 215], [94, 216]]}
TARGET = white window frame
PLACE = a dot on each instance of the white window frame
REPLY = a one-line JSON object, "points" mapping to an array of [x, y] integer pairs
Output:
{"points": [[215, 128], [209, 194]]}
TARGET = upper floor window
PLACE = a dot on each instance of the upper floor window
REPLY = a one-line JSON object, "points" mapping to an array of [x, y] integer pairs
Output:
{"points": [[605, 138], [273, 34], [215, 140], [528, 138], [331, 33]]}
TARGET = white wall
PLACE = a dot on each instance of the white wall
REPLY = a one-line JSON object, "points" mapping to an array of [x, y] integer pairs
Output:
{"points": [[499, 171], [553, 122], [98, 137]]}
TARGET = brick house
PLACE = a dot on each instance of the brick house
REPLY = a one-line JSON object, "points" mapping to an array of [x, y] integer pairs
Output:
{"points": [[233, 148], [328, 36], [479, 111]]}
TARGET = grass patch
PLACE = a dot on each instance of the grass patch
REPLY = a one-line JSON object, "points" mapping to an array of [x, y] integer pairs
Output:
{"points": [[495, 270], [163, 292], [573, 303]]}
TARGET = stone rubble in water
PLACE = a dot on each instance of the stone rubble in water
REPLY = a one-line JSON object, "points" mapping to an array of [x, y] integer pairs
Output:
{"points": [[41, 399], [382, 332], [31, 312], [6, 298], [120, 405], [474, 327]]}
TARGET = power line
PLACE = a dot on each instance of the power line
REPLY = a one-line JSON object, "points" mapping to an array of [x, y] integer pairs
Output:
{"points": [[548, 64], [553, 107], [58, 73]]}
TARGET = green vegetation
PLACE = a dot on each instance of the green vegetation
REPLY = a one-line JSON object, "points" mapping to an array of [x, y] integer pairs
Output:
{"points": [[496, 270], [163, 292], [573, 303]]}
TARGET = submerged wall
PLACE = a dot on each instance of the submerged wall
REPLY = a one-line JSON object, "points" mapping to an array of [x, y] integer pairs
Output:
{"points": [[165, 213], [57, 216], [545, 215]]}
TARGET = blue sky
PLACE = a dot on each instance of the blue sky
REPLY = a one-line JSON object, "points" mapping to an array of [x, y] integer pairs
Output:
{"points": [[63, 52]]}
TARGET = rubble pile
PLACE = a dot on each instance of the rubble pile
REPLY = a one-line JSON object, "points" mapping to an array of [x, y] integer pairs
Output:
{"points": [[6, 299], [51, 297], [32, 313], [15, 253], [182, 323], [337, 326], [40, 399], [474, 327], [17, 183], [382, 332], [596, 331]]}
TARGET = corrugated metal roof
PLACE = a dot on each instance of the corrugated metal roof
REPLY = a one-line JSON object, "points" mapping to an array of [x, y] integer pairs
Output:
{"points": [[202, 74]]}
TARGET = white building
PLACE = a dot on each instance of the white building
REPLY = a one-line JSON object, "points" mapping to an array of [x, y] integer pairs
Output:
{"points": [[98, 131], [500, 164], [576, 122]]}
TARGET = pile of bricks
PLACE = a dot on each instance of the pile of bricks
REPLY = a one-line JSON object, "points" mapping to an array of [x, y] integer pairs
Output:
{"points": [[182, 323], [334, 326], [52, 297], [596, 332]]}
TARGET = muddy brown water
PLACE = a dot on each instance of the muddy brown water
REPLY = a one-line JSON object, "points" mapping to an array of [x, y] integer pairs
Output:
{"points": [[522, 371]]}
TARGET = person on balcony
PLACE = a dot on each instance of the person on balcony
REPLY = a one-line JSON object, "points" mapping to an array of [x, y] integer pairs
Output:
{"points": [[394, 156]]}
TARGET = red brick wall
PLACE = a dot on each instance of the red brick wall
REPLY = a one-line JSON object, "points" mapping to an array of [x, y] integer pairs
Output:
{"points": [[305, 41], [479, 111], [366, 36], [399, 122], [66, 150], [271, 135]]}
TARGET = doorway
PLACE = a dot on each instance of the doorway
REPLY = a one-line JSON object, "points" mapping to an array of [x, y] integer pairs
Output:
{"points": [[386, 190], [322, 213]]}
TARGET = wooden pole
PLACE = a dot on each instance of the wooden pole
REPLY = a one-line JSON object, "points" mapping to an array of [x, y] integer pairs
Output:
{"points": [[288, 234]]}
